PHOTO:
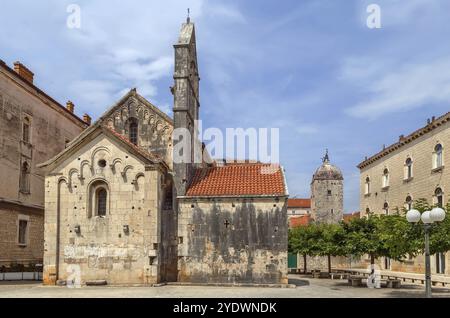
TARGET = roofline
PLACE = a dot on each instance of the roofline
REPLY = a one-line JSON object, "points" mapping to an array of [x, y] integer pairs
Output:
{"points": [[133, 93], [105, 131], [41, 92], [298, 206], [434, 124], [286, 190], [234, 196]]}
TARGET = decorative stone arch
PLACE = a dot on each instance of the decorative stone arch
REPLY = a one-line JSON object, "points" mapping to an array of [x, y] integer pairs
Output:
{"points": [[71, 173], [83, 163], [135, 181], [98, 198], [115, 162], [97, 150], [125, 170], [152, 120], [438, 155]]}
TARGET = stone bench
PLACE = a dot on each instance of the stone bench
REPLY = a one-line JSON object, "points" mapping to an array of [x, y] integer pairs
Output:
{"points": [[393, 283], [355, 281], [339, 275]]}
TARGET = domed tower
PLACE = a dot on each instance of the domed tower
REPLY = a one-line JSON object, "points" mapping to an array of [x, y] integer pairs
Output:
{"points": [[327, 193]]}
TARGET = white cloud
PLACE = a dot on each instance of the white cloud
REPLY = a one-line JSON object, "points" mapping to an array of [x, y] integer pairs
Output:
{"points": [[401, 88]]}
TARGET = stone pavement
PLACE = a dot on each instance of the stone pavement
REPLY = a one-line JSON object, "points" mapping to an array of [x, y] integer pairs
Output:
{"points": [[306, 288]]}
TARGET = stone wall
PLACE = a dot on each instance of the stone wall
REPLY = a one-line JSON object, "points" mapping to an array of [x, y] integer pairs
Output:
{"points": [[50, 128], [103, 249], [154, 127], [10, 250], [232, 240], [324, 207]]}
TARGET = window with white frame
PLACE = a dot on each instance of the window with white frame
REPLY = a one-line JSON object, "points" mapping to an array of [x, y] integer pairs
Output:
{"points": [[385, 178], [367, 186], [438, 157], [408, 169]]}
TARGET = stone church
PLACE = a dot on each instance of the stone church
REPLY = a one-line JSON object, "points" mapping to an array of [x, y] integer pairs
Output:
{"points": [[120, 210]]}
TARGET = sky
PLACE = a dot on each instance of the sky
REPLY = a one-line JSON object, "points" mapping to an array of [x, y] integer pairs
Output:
{"points": [[311, 68]]}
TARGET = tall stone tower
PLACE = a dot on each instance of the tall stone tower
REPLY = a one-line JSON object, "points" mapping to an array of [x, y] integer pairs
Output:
{"points": [[186, 105], [327, 193]]}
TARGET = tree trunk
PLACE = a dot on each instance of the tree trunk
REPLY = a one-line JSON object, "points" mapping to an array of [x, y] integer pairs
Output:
{"points": [[304, 264], [329, 264], [372, 260]]}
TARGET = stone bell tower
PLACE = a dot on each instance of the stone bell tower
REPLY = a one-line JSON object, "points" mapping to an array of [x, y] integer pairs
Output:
{"points": [[327, 193], [186, 106]]}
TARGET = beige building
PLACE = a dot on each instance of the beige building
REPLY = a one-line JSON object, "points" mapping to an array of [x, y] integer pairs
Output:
{"points": [[33, 128], [415, 167]]}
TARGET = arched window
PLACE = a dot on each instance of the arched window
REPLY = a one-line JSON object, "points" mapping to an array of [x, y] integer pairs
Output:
{"points": [[367, 186], [101, 197], [98, 199], [408, 203], [408, 168], [367, 210], [26, 125], [385, 182], [24, 183], [439, 197], [438, 162], [386, 208], [134, 128]]}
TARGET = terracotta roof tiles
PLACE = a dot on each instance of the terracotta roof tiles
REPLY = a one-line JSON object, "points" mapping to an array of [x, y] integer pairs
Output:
{"points": [[237, 180], [299, 203]]}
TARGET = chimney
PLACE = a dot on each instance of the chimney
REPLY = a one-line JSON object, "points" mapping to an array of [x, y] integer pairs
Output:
{"points": [[87, 119], [428, 121], [24, 72], [433, 118], [401, 137], [70, 106]]}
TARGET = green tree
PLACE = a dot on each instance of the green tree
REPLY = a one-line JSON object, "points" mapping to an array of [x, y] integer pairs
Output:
{"points": [[300, 242], [327, 240]]}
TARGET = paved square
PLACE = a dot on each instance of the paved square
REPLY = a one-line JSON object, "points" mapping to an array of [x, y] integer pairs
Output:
{"points": [[305, 288]]}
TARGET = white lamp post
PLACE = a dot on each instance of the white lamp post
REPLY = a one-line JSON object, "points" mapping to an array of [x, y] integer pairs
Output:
{"points": [[427, 217]]}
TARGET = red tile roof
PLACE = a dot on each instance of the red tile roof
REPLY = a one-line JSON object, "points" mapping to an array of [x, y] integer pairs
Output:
{"points": [[349, 217], [298, 221], [237, 180], [299, 203]]}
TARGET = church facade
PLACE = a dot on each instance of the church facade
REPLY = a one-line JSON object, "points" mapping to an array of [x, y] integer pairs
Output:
{"points": [[119, 209]]}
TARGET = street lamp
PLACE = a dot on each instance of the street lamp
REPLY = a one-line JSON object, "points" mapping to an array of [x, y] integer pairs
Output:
{"points": [[427, 217]]}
